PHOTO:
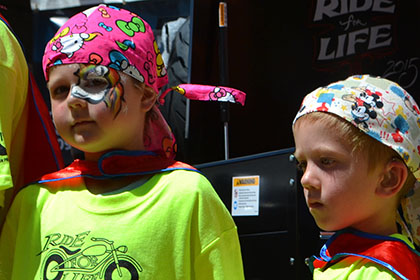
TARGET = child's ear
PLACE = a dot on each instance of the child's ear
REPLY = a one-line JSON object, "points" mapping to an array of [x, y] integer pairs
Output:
{"points": [[148, 99], [394, 177]]}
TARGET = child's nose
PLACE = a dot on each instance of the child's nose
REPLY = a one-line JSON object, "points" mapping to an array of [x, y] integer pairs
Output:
{"points": [[309, 179], [75, 102]]}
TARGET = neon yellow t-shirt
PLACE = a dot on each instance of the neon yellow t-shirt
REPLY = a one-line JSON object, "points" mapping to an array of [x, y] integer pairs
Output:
{"points": [[356, 268], [13, 92], [174, 226]]}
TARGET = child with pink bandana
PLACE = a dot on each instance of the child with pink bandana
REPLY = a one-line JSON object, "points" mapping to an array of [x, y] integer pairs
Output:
{"points": [[128, 210], [357, 143]]}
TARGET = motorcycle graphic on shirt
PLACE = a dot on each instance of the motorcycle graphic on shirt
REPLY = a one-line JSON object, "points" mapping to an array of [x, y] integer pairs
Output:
{"points": [[101, 260]]}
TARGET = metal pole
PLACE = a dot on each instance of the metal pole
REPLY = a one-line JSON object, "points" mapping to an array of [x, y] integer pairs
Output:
{"points": [[226, 134], [223, 72]]}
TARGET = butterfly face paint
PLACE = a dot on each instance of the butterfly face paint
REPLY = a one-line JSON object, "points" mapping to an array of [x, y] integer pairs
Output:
{"points": [[99, 83]]}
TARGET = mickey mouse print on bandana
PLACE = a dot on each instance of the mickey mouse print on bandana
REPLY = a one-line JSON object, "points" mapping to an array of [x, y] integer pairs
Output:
{"points": [[386, 112]]}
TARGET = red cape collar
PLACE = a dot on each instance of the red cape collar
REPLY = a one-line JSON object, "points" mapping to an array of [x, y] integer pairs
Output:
{"points": [[115, 164], [391, 253]]}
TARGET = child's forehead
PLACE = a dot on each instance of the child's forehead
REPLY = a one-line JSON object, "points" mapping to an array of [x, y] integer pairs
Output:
{"points": [[62, 73], [64, 68], [316, 139]]}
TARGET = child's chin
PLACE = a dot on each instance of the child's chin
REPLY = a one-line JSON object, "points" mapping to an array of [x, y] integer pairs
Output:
{"points": [[326, 227]]}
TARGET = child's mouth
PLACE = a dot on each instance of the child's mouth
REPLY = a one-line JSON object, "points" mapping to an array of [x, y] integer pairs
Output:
{"points": [[82, 123], [314, 205]]}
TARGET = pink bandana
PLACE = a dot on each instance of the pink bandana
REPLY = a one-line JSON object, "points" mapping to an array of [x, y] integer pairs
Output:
{"points": [[121, 40]]}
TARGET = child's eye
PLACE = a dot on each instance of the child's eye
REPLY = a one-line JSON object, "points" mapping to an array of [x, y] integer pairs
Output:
{"points": [[327, 161], [60, 91]]}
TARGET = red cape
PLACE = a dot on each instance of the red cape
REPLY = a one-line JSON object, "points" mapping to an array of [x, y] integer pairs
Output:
{"points": [[391, 253], [113, 164]]}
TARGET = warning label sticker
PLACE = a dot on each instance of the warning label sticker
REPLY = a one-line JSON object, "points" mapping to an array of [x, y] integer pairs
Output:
{"points": [[245, 195]]}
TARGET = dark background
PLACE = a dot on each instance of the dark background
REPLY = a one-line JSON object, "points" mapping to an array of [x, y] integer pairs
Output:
{"points": [[272, 57]]}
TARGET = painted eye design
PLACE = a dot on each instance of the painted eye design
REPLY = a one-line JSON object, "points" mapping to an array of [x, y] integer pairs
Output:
{"points": [[94, 85]]}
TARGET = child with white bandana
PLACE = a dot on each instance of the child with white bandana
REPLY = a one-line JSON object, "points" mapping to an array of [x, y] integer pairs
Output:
{"points": [[357, 144]]}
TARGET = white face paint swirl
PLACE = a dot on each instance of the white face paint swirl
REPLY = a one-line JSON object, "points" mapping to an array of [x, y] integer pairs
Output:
{"points": [[91, 97]]}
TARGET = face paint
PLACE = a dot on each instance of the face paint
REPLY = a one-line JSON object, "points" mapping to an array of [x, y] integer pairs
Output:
{"points": [[99, 83]]}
